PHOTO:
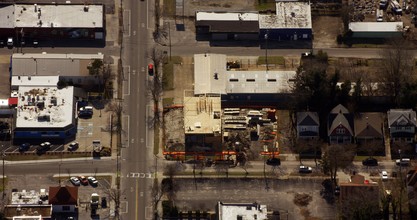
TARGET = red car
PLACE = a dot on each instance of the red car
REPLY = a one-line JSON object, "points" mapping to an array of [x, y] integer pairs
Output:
{"points": [[150, 69], [83, 180]]}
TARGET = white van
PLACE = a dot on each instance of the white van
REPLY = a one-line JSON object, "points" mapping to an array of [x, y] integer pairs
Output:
{"points": [[379, 15]]}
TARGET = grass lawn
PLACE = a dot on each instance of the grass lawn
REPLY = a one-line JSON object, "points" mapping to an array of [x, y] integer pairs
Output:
{"points": [[169, 8], [263, 5], [156, 141], [167, 102], [278, 60], [168, 72]]}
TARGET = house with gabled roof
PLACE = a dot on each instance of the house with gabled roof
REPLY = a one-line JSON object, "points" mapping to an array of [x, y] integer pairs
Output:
{"points": [[308, 125], [401, 125], [369, 127], [340, 125], [63, 198]]}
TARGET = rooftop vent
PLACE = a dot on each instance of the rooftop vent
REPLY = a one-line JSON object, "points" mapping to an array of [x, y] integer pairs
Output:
{"points": [[86, 8]]}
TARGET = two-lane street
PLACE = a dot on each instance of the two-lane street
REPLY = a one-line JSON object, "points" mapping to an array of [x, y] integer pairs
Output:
{"points": [[137, 150]]}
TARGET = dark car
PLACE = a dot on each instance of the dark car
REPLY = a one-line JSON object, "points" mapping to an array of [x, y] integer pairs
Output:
{"points": [[337, 190], [45, 146], [24, 147], [73, 146], [273, 162], [370, 162], [150, 69], [305, 169]]}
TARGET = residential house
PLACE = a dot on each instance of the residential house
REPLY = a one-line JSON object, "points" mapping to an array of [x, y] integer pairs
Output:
{"points": [[308, 125], [401, 125], [63, 198], [369, 128], [340, 126]]}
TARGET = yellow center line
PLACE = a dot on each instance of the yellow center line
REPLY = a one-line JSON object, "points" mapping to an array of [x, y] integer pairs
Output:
{"points": [[137, 199]]}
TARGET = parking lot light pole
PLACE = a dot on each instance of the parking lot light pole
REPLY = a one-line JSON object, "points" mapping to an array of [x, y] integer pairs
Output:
{"points": [[3, 155], [266, 50]]}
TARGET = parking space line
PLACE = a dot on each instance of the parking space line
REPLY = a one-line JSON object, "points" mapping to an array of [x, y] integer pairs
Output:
{"points": [[148, 212], [126, 205], [126, 25], [127, 126]]}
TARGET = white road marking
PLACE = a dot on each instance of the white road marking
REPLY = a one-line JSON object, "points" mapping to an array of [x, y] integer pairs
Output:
{"points": [[148, 212], [134, 72], [123, 211], [141, 194], [132, 141], [134, 33]]}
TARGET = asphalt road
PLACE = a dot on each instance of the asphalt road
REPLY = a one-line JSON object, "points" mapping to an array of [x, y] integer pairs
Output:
{"points": [[136, 155]]}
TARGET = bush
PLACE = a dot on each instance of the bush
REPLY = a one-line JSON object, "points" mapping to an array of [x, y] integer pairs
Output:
{"points": [[302, 199], [322, 56]]}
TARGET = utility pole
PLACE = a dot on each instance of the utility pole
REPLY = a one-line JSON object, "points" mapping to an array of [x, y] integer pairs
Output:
{"points": [[4, 186], [266, 50]]}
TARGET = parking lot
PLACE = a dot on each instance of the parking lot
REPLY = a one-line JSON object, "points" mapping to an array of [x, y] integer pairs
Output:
{"points": [[36, 182]]}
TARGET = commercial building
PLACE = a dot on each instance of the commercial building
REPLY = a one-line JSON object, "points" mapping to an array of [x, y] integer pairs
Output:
{"points": [[292, 21], [211, 76], [29, 204], [376, 29], [227, 25], [247, 211], [45, 114], [51, 21], [72, 68]]}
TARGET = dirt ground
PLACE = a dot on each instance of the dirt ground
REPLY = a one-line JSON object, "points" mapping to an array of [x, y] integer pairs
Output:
{"points": [[325, 31]]}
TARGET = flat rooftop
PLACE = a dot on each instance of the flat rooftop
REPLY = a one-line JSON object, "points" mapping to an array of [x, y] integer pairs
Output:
{"points": [[247, 211], [376, 26], [212, 77], [48, 64], [226, 16], [202, 115], [35, 80], [30, 197], [45, 107], [58, 16], [290, 14]]}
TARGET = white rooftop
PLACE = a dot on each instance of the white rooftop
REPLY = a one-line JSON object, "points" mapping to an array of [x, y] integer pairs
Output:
{"points": [[30, 197], [6, 17], [376, 26], [288, 15], [207, 66], [226, 16], [48, 64], [47, 106], [247, 211], [35, 80], [52, 15]]}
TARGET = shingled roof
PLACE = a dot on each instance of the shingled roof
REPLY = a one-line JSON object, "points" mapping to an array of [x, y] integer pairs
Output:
{"points": [[63, 195]]}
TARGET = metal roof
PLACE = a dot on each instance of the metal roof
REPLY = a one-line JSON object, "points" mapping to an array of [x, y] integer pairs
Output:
{"points": [[376, 26]]}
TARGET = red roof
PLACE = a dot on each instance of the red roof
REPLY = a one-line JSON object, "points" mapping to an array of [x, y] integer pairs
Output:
{"points": [[12, 101], [65, 195]]}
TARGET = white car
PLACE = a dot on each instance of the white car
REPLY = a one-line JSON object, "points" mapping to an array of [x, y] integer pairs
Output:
{"points": [[75, 181], [10, 42], [92, 181], [384, 175]]}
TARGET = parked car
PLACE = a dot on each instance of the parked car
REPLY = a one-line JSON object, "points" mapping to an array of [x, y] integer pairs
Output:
{"points": [[24, 147], [83, 180], [370, 162], [92, 181], [45, 146], [75, 181], [73, 146], [273, 162], [384, 175], [337, 190], [305, 169], [150, 69], [403, 162], [10, 42]]}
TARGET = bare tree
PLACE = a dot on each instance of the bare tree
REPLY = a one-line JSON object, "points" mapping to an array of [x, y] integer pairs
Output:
{"points": [[115, 195], [156, 195], [396, 69], [335, 157], [155, 85]]}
